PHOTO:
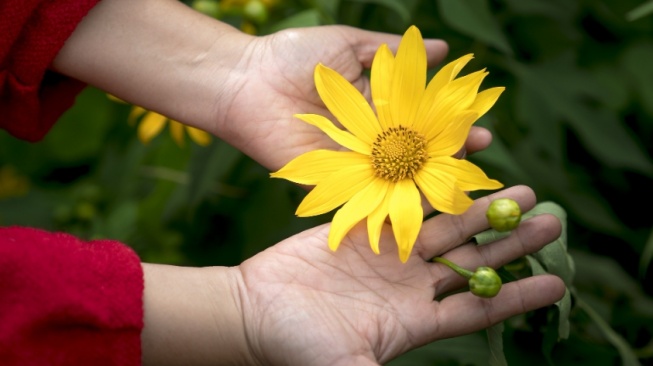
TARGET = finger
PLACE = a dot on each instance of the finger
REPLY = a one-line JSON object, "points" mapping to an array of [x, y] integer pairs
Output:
{"points": [[479, 138], [465, 313], [529, 237], [366, 44], [445, 232]]}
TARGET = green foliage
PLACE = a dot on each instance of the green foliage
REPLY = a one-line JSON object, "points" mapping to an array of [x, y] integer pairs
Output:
{"points": [[574, 124]]}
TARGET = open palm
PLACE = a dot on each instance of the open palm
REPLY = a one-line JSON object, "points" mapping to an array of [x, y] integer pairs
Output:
{"points": [[275, 81], [307, 305]]}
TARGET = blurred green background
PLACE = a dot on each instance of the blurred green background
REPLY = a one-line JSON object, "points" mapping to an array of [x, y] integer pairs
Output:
{"points": [[575, 124]]}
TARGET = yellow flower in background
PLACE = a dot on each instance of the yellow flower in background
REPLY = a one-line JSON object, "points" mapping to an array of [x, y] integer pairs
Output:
{"points": [[152, 123], [253, 13], [407, 146], [12, 184]]}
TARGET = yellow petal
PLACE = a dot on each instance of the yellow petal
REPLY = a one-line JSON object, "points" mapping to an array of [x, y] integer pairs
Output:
{"points": [[454, 97], [177, 132], [315, 166], [358, 207], [150, 126], [485, 100], [337, 189], [135, 112], [347, 104], [114, 98], [441, 191], [200, 137], [469, 177], [343, 138], [453, 137], [442, 78], [380, 83], [447, 73], [408, 78], [376, 219], [406, 215]]}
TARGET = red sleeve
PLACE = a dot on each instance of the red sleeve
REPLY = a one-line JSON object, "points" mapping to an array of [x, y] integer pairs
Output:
{"points": [[32, 32], [68, 302]]}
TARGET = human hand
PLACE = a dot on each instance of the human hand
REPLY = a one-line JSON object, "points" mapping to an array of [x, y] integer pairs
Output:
{"points": [[304, 304], [207, 74], [275, 81]]}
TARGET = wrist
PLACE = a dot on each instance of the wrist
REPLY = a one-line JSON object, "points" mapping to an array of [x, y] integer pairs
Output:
{"points": [[228, 320], [160, 55], [193, 317]]}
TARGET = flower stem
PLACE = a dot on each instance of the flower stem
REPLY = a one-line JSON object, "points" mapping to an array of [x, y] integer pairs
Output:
{"points": [[461, 271]]}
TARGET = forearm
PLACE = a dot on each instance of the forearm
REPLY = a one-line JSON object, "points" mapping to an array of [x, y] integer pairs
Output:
{"points": [[192, 317], [159, 54]]}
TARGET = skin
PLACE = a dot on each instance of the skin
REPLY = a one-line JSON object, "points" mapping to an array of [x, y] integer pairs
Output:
{"points": [[296, 303], [207, 74]]}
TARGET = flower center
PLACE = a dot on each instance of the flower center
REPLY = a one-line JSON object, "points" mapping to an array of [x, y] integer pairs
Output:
{"points": [[398, 153]]}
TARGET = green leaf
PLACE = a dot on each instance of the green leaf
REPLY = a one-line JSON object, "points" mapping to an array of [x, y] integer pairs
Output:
{"points": [[573, 189], [639, 73], [328, 8], [601, 132], [564, 309], [489, 236], [120, 223], [451, 351], [614, 84], [554, 209], [400, 8], [497, 153], [554, 256], [306, 18], [495, 341], [647, 256], [640, 11], [80, 133], [562, 11], [542, 121], [554, 259], [563, 305], [474, 19], [628, 357], [595, 271], [610, 140], [208, 166]]}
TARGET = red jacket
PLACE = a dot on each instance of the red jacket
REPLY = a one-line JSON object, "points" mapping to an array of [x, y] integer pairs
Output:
{"points": [[62, 301]]}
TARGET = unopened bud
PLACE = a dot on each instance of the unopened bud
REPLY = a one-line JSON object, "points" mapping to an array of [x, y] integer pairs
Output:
{"points": [[503, 214], [485, 282]]}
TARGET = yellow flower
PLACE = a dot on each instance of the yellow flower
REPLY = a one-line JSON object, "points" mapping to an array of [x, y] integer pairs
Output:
{"points": [[407, 146], [12, 184], [152, 123]]}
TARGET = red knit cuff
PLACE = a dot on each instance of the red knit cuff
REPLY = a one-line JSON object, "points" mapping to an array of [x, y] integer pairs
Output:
{"points": [[31, 97], [68, 302]]}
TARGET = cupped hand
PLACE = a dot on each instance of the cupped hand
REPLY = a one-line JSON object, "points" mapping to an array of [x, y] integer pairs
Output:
{"points": [[274, 81], [306, 305]]}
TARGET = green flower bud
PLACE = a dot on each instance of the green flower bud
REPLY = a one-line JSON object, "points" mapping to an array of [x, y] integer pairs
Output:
{"points": [[255, 11], [485, 282], [208, 7], [503, 214]]}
